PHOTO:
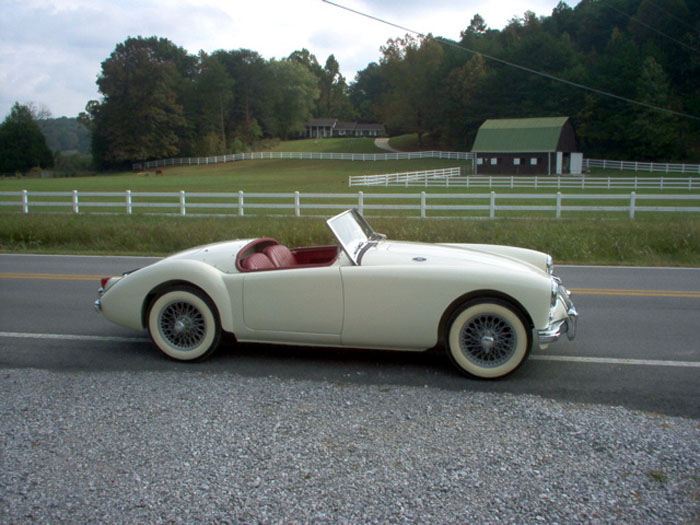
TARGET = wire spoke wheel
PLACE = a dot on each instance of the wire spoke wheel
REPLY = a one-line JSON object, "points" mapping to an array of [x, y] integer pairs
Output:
{"points": [[488, 338], [184, 324]]}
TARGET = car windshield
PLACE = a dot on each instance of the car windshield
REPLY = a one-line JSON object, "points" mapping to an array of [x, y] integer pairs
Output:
{"points": [[353, 233]]}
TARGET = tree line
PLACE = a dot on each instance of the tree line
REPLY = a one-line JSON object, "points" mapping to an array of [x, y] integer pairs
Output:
{"points": [[625, 71], [159, 101], [644, 51]]}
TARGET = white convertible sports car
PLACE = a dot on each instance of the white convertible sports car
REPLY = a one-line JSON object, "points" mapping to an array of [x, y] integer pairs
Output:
{"points": [[487, 305]]}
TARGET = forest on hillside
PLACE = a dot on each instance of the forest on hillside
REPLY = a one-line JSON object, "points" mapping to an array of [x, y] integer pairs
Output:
{"points": [[625, 71]]}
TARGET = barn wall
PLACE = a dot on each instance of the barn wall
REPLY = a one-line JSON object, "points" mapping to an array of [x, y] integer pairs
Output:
{"points": [[506, 163], [567, 139]]}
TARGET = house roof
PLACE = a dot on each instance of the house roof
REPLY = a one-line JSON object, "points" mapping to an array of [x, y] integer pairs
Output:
{"points": [[322, 122], [521, 135], [343, 126]]}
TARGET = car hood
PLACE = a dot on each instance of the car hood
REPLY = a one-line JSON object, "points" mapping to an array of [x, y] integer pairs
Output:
{"points": [[410, 253]]}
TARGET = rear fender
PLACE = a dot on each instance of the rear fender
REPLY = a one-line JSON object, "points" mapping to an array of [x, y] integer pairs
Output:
{"points": [[136, 291], [194, 273]]}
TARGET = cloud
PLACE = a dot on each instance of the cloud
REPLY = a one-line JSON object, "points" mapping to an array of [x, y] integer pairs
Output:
{"points": [[51, 51]]}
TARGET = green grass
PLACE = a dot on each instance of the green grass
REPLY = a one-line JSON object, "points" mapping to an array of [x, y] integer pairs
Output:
{"points": [[334, 145], [671, 241], [410, 143], [609, 238], [319, 176]]}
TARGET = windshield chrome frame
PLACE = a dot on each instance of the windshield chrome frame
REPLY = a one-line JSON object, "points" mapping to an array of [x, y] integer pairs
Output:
{"points": [[353, 234]]}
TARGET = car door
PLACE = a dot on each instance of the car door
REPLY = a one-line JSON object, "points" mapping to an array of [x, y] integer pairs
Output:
{"points": [[302, 305]]}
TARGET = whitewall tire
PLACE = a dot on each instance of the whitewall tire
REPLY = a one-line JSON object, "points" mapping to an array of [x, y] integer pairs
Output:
{"points": [[184, 324], [488, 338]]}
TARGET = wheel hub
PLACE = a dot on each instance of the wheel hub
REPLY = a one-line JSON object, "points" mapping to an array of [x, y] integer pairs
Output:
{"points": [[487, 342], [182, 325]]}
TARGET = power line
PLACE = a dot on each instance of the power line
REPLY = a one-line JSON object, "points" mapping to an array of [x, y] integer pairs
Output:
{"points": [[679, 20], [514, 65], [634, 18]]}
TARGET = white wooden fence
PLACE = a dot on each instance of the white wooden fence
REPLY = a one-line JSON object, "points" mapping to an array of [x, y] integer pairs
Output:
{"points": [[239, 203], [410, 178], [620, 165], [626, 165], [299, 155], [451, 178]]}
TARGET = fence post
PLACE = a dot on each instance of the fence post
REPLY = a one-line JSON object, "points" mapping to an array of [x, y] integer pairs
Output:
{"points": [[361, 202], [558, 205], [128, 202], [76, 208], [492, 205], [182, 203], [25, 201], [422, 205], [297, 212], [633, 199], [240, 203]]}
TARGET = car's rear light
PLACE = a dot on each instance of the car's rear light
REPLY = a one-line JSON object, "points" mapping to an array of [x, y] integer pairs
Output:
{"points": [[104, 281]]}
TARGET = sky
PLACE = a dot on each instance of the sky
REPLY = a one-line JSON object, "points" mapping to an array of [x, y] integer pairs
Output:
{"points": [[51, 50]]}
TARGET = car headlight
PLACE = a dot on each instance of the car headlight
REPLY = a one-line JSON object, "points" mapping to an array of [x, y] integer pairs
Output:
{"points": [[555, 293]]}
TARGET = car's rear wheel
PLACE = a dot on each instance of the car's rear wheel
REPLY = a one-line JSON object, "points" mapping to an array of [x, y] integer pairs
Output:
{"points": [[184, 324], [488, 338]]}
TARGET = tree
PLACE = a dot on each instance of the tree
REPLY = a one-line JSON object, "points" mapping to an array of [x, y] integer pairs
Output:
{"points": [[22, 144], [462, 116], [141, 116], [333, 98], [252, 93], [412, 68], [214, 97], [365, 93], [653, 132], [294, 97]]}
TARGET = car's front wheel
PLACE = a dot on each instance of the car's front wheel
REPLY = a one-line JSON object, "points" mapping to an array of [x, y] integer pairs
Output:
{"points": [[488, 338], [184, 324]]}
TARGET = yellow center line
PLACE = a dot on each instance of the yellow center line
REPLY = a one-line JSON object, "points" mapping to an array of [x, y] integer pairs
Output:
{"points": [[636, 293], [576, 291], [52, 276]]}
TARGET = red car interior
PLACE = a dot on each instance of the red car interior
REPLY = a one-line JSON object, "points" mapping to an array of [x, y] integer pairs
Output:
{"points": [[268, 254]]}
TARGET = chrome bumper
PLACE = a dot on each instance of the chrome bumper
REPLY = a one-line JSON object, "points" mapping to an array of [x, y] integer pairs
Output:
{"points": [[98, 303], [558, 327]]}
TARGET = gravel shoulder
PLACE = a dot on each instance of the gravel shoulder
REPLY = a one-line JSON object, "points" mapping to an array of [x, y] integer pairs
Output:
{"points": [[125, 447]]}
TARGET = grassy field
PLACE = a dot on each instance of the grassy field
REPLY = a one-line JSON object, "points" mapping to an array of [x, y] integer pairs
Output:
{"points": [[666, 242], [320, 176], [335, 145], [611, 238], [410, 143]]}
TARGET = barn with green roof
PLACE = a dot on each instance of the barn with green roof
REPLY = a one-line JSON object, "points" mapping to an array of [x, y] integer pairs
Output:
{"points": [[527, 146]]}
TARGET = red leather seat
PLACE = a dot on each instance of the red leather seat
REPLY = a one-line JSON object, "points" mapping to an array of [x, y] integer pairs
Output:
{"points": [[257, 261], [280, 255]]}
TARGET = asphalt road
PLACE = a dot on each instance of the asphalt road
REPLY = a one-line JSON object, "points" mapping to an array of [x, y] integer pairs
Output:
{"points": [[637, 344]]}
